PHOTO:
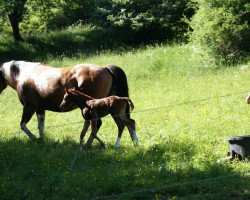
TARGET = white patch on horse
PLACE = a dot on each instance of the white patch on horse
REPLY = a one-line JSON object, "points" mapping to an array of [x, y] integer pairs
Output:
{"points": [[135, 138], [43, 80], [36, 72], [40, 119], [117, 144]]}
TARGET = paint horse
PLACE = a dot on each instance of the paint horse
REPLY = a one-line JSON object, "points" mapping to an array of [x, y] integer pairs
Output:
{"points": [[94, 109], [41, 87]]}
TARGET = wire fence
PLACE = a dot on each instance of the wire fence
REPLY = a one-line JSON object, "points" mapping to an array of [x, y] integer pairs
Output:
{"points": [[144, 110], [165, 187]]}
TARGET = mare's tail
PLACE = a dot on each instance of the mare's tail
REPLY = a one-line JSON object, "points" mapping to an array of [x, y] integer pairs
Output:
{"points": [[120, 83]]}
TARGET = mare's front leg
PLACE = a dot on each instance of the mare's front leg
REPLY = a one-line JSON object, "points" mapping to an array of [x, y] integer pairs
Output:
{"points": [[40, 119], [84, 130], [26, 116]]}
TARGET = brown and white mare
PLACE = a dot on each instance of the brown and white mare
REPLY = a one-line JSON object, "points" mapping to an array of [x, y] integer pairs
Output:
{"points": [[41, 87], [94, 109]]}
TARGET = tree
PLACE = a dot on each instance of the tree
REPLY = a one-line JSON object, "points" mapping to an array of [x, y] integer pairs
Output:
{"points": [[221, 30], [146, 20], [14, 9]]}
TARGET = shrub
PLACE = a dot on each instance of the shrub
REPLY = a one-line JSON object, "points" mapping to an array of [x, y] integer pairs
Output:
{"points": [[221, 29], [144, 20]]}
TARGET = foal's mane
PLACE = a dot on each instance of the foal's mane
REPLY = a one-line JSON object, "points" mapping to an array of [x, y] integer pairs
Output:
{"points": [[79, 94]]}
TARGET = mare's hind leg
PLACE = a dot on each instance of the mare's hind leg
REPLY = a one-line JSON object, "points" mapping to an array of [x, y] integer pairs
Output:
{"points": [[120, 126], [83, 132], [26, 116], [40, 119], [130, 123], [95, 125]]}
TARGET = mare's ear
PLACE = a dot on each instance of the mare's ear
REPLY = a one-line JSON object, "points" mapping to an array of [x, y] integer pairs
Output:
{"points": [[80, 80]]}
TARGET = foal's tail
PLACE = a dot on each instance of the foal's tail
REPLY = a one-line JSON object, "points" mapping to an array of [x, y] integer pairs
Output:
{"points": [[120, 84], [129, 103]]}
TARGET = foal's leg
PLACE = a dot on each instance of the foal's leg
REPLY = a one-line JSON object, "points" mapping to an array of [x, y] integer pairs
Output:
{"points": [[91, 138], [26, 116], [95, 125], [40, 119], [130, 123], [83, 132], [120, 126]]}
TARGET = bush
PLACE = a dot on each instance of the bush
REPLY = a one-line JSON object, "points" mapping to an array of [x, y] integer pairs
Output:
{"points": [[49, 15], [145, 20], [221, 29]]}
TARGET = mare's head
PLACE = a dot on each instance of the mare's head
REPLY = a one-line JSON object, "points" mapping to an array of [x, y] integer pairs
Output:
{"points": [[3, 83]]}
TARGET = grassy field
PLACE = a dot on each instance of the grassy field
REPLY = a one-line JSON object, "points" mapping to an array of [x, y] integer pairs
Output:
{"points": [[184, 110]]}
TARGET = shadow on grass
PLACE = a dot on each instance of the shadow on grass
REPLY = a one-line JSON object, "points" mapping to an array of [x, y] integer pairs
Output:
{"points": [[42, 171], [67, 43]]}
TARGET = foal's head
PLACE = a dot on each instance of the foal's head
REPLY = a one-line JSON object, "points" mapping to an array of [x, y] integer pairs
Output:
{"points": [[67, 101], [73, 97]]}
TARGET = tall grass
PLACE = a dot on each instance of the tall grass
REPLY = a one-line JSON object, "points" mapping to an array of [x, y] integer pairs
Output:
{"points": [[184, 112]]}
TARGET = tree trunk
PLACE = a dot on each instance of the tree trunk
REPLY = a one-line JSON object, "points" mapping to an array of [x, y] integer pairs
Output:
{"points": [[14, 21], [15, 15]]}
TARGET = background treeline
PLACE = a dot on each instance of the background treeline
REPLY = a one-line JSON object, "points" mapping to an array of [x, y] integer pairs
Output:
{"points": [[218, 29]]}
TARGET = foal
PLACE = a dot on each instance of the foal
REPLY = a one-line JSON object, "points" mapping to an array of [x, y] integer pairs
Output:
{"points": [[93, 109]]}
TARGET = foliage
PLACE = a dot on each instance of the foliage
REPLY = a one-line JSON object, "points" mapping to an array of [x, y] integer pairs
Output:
{"points": [[138, 21], [144, 20], [43, 15], [221, 28]]}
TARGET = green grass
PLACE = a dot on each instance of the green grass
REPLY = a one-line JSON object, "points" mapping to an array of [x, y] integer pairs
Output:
{"points": [[184, 112]]}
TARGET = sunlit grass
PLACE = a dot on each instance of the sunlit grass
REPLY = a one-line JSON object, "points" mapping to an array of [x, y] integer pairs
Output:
{"points": [[184, 112]]}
